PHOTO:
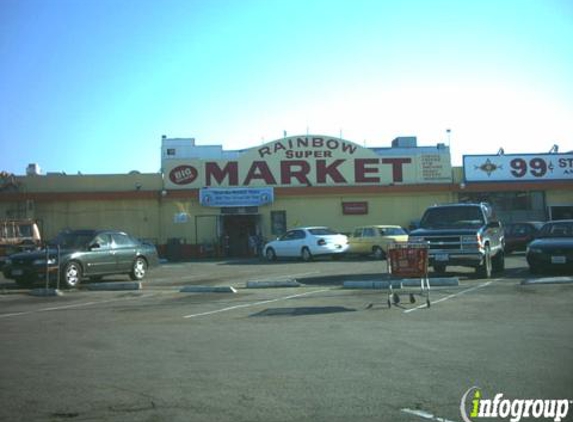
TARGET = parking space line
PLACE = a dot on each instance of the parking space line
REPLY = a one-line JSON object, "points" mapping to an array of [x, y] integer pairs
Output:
{"points": [[425, 415], [75, 305], [284, 277], [247, 305], [407, 311]]}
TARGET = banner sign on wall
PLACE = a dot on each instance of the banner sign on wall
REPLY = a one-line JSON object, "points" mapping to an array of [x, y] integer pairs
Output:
{"points": [[518, 167], [235, 197], [311, 161]]}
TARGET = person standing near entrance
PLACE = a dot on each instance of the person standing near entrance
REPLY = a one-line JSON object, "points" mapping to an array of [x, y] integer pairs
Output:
{"points": [[225, 244], [254, 244]]}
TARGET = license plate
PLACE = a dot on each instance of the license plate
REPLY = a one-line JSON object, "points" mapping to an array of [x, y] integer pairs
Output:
{"points": [[17, 272], [558, 260], [442, 257]]}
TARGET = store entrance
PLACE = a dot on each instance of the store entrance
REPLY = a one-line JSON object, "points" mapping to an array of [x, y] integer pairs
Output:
{"points": [[237, 229]]}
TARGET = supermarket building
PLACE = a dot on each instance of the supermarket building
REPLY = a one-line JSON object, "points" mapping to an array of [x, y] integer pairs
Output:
{"points": [[207, 201]]}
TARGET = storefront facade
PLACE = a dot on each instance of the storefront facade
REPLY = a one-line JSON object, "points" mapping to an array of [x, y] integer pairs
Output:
{"points": [[211, 202]]}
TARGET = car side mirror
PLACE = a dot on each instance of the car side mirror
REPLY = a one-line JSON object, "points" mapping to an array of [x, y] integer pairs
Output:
{"points": [[494, 225], [94, 246]]}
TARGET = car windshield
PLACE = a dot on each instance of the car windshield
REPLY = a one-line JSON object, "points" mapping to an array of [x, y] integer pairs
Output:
{"points": [[459, 217], [322, 231], [562, 229], [71, 240]]}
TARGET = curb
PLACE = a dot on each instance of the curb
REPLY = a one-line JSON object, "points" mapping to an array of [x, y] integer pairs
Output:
{"points": [[115, 286], [45, 292], [377, 285], [548, 280], [398, 284], [271, 284], [434, 282], [208, 289]]}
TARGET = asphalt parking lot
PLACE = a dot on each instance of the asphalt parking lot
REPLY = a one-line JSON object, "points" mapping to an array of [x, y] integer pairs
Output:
{"points": [[315, 352]]}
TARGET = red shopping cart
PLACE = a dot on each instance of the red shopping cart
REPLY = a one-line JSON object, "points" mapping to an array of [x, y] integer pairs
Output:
{"points": [[408, 260]]}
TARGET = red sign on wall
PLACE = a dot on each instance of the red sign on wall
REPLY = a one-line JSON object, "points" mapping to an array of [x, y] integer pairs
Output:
{"points": [[183, 175], [355, 208]]}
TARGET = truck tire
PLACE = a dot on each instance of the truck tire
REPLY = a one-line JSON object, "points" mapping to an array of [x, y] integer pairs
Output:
{"points": [[24, 282], [440, 269], [485, 268], [498, 262]]}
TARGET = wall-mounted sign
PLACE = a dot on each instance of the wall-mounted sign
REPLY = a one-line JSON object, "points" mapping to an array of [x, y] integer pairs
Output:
{"points": [[310, 161], [518, 167], [355, 208], [235, 197]]}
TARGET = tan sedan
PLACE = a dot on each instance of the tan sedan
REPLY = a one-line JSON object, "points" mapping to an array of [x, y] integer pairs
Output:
{"points": [[374, 240]]}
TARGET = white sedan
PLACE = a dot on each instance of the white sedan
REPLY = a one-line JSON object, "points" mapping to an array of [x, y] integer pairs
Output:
{"points": [[306, 242]]}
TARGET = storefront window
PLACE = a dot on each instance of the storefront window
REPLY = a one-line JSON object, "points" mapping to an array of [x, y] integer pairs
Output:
{"points": [[511, 206]]}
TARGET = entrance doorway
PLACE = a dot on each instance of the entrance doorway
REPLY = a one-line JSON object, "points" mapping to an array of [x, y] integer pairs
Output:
{"points": [[237, 228]]}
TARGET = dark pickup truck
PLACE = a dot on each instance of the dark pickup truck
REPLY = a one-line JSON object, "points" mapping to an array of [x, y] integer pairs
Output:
{"points": [[466, 235]]}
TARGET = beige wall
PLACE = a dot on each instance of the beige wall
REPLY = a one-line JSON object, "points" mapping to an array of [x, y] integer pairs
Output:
{"points": [[91, 183], [559, 197], [398, 209], [137, 217]]}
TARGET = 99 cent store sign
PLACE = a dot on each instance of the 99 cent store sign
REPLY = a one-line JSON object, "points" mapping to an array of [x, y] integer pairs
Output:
{"points": [[518, 168]]}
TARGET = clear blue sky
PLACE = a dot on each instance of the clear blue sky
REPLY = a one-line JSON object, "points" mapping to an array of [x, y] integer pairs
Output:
{"points": [[91, 85]]}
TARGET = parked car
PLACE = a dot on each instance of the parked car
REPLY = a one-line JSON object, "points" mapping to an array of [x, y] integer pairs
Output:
{"points": [[518, 235], [375, 240], [83, 253], [307, 242], [553, 247]]}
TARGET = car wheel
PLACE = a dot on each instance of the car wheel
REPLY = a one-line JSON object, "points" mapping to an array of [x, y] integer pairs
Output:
{"points": [[306, 255], [139, 269], [378, 253], [270, 254], [440, 269], [72, 275], [484, 270]]}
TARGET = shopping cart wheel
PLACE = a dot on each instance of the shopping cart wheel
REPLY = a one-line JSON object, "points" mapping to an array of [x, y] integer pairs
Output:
{"points": [[389, 303], [412, 298], [428, 302], [396, 298]]}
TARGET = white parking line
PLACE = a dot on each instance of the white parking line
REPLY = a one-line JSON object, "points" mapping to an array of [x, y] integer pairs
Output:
{"points": [[407, 311], [75, 305], [285, 277], [247, 305], [425, 415]]}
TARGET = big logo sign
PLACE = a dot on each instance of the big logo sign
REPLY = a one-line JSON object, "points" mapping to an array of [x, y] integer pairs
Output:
{"points": [[183, 175]]}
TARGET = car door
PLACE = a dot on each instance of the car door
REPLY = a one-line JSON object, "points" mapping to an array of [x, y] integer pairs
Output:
{"points": [[356, 241], [369, 240], [281, 244], [100, 258], [286, 245], [124, 248]]}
